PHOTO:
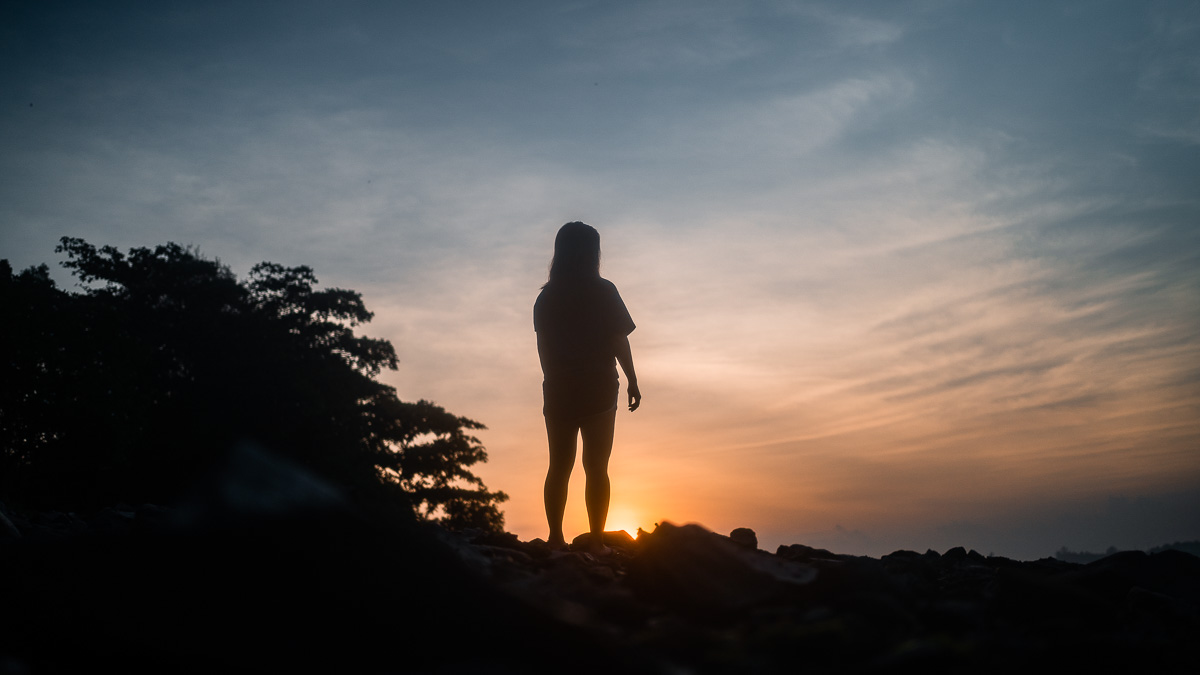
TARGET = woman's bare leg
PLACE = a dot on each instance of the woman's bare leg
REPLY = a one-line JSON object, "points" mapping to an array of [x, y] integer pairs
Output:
{"points": [[597, 434], [561, 437]]}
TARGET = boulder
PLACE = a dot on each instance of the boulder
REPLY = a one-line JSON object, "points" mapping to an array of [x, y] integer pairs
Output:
{"points": [[617, 538], [7, 529], [804, 553], [744, 536], [690, 569]]}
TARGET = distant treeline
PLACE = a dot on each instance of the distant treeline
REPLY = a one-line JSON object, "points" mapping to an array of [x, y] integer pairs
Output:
{"points": [[1084, 557], [164, 360]]}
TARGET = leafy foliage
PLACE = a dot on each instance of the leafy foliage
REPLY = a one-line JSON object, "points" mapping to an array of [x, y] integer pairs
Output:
{"points": [[123, 391]]}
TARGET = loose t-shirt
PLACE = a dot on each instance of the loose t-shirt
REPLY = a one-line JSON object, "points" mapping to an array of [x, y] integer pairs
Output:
{"points": [[577, 323]]}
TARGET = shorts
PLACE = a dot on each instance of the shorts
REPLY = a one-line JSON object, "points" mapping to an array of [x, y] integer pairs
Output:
{"points": [[577, 395]]}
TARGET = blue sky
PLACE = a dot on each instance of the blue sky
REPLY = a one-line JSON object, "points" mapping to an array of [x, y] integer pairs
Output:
{"points": [[906, 274]]}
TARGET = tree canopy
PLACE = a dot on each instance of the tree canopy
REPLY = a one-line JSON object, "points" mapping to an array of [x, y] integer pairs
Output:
{"points": [[164, 360]]}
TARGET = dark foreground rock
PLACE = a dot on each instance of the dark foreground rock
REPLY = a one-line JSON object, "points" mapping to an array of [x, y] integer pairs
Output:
{"points": [[247, 578], [689, 600], [330, 590]]}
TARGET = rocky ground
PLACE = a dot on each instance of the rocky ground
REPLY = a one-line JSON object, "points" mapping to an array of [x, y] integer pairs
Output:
{"points": [[263, 568], [326, 589], [703, 602]]}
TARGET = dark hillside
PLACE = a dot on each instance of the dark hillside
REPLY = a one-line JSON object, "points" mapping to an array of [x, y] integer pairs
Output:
{"points": [[211, 586]]}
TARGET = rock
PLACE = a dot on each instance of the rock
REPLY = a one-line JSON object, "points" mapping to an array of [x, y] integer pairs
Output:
{"points": [[691, 569], [1047, 600], [804, 553], [306, 586], [152, 517], [744, 536], [1164, 610], [7, 529], [305, 590], [618, 538], [55, 525], [112, 521], [251, 482], [956, 553]]}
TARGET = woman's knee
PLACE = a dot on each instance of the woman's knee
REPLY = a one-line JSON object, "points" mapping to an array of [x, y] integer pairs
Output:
{"points": [[596, 455], [595, 461]]}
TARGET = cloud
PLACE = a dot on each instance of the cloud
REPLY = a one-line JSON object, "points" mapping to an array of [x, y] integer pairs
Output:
{"points": [[850, 30], [656, 36], [885, 264]]}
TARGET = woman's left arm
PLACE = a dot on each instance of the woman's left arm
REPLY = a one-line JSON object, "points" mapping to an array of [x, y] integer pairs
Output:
{"points": [[625, 358]]}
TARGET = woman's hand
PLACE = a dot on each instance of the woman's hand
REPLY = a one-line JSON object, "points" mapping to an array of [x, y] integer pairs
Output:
{"points": [[625, 358]]}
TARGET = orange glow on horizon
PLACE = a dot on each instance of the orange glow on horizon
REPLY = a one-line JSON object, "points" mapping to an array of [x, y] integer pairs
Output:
{"points": [[624, 518]]}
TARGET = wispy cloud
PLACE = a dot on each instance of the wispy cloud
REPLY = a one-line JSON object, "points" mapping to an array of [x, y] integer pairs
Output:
{"points": [[920, 270]]}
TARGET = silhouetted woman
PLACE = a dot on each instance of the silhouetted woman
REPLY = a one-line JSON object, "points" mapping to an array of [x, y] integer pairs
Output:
{"points": [[582, 327]]}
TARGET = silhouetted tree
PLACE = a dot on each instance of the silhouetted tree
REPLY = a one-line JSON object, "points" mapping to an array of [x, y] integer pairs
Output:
{"points": [[121, 392]]}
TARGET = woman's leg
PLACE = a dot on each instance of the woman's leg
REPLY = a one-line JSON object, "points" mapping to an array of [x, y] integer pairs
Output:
{"points": [[562, 440], [597, 448]]}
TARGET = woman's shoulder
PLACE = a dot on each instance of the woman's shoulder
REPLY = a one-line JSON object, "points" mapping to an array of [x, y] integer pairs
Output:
{"points": [[575, 286]]}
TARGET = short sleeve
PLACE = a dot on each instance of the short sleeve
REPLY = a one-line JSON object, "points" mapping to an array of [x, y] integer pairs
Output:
{"points": [[620, 322], [576, 326]]}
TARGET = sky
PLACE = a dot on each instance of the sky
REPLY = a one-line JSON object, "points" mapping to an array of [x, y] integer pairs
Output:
{"points": [[906, 275]]}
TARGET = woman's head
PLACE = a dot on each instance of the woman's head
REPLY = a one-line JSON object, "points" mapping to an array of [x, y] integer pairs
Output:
{"points": [[576, 253]]}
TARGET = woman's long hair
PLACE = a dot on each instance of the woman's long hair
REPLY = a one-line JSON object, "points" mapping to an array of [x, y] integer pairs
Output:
{"points": [[576, 254]]}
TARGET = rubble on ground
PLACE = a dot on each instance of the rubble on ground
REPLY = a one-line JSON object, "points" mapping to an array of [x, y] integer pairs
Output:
{"points": [[134, 589]]}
